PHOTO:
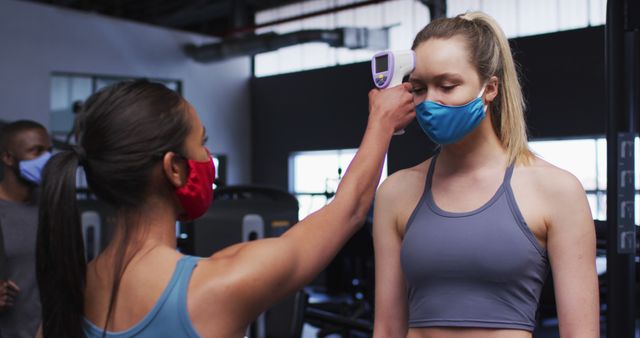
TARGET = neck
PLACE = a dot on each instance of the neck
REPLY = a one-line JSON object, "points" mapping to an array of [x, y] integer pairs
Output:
{"points": [[481, 148], [150, 226], [13, 189]]}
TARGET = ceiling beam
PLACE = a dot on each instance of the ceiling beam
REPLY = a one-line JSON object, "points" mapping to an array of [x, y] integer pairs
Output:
{"points": [[198, 12]]}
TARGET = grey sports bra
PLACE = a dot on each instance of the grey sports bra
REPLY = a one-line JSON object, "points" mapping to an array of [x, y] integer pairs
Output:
{"points": [[482, 269]]}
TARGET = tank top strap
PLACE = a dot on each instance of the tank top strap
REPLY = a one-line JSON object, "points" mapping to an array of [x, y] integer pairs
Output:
{"points": [[432, 169], [184, 271], [507, 174], [188, 264]]}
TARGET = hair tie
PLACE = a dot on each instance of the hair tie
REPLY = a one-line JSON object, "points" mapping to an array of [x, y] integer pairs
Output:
{"points": [[80, 153], [466, 17]]}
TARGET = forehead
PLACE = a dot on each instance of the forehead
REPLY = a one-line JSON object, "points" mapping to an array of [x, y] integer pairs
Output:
{"points": [[437, 56], [193, 118], [30, 137]]}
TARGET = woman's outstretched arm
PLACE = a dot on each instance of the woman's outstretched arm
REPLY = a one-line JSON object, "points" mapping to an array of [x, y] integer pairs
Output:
{"points": [[262, 272]]}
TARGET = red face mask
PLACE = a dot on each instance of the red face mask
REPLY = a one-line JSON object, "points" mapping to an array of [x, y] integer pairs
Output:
{"points": [[196, 195]]}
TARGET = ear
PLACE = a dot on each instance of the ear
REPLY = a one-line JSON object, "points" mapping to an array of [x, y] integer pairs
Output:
{"points": [[174, 170], [7, 159], [491, 90]]}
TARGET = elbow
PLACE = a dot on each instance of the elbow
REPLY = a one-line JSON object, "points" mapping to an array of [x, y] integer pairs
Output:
{"points": [[354, 211], [356, 221], [360, 215]]}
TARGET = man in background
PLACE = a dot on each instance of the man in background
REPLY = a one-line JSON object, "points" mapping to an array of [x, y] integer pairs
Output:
{"points": [[25, 147]]}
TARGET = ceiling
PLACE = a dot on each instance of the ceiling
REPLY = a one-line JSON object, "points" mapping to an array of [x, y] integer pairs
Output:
{"points": [[210, 17], [233, 22], [220, 18]]}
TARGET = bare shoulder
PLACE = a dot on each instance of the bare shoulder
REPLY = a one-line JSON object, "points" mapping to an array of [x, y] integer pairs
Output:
{"points": [[405, 180], [216, 275], [222, 264], [224, 277], [226, 271], [398, 196], [214, 291], [553, 183]]}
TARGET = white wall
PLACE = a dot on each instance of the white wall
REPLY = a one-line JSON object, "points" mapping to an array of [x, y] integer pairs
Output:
{"points": [[37, 39]]}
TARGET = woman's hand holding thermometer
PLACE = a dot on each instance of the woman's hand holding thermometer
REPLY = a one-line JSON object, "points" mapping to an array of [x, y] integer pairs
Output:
{"points": [[390, 67]]}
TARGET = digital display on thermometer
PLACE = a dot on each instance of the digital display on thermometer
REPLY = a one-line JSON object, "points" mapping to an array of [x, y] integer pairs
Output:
{"points": [[382, 63]]}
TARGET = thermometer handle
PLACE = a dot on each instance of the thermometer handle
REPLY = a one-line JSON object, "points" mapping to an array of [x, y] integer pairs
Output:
{"points": [[395, 80]]}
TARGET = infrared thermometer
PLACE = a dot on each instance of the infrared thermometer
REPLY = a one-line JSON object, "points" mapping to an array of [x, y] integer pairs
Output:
{"points": [[388, 68]]}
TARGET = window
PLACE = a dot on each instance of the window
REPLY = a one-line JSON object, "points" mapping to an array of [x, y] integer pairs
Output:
{"points": [[65, 90], [69, 88], [405, 19], [587, 160], [314, 176], [530, 17]]}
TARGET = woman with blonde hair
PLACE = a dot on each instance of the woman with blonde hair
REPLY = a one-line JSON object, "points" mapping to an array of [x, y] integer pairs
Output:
{"points": [[464, 241]]}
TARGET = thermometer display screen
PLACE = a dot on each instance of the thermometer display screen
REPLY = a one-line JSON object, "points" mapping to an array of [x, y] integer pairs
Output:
{"points": [[382, 64]]}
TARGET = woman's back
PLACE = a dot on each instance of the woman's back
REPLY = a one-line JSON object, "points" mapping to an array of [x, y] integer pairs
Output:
{"points": [[208, 295], [146, 279]]}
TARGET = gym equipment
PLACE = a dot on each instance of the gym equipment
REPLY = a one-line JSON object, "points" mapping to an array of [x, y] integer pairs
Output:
{"points": [[96, 218], [238, 214]]}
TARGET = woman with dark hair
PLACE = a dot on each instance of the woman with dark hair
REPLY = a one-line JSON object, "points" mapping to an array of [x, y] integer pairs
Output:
{"points": [[142, 148]]}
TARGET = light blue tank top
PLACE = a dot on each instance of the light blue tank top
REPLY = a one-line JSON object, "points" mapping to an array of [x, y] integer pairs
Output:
{"points": [[168, 318], [482, 269]]}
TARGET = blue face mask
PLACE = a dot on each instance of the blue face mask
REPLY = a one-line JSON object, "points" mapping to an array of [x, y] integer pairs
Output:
{"points": [[449, 124], [31, 170]]}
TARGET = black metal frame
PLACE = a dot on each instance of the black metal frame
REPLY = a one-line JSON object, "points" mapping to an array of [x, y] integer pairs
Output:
{"points": [[621, 32]]}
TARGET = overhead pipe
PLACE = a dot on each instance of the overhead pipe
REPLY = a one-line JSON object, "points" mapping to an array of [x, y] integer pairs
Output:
{"points": [[349, 37], [253, 28]]}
